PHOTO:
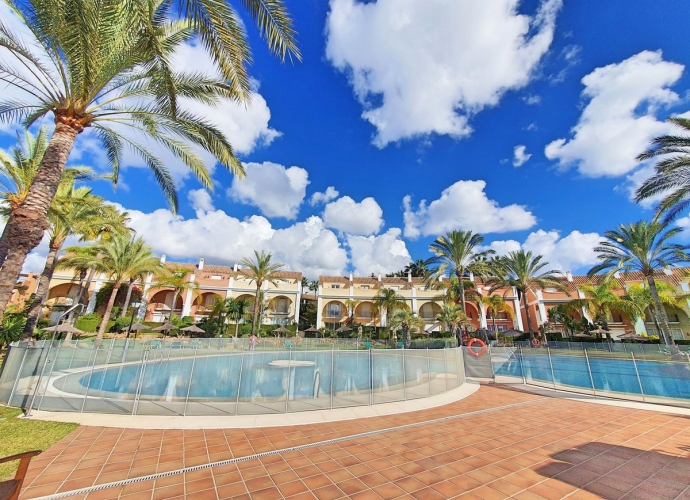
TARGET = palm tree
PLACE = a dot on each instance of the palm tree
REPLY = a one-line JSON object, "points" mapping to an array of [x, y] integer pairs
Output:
{"points": [[452, 317], [405, 320], [641, 297], [78, 213], [418, 269], [352, 305], [456, 253], [671, 177], [18, 169], [389, 300], [523, 271], [177, 278], [313, 285], [559, 315], [644, 247], [495, 305], [121, 258], [238, 308], [260, 270], [453, 291], [600, 300], [106, 66]]}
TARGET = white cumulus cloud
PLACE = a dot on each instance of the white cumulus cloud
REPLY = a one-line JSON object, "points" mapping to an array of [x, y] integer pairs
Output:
{"points": [[276, 190], [520, 156], [200, 199], [569, 253], [306, 246], [426, 66], [383, 254], [465, 206], [619, 120], [346, 215], [317, 198]]}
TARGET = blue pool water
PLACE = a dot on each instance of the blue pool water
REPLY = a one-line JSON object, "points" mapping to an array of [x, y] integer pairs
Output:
{"points": [[668, 380], [254, 377]]}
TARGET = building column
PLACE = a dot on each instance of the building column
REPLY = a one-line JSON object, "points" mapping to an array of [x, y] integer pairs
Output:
{"points": [[518, 310], [187, 307], [298, 303], [482, 312], [228, 292], [542, 309], [91, 306], [585, 314], [414, 300], [318, 308], [141, 313]]}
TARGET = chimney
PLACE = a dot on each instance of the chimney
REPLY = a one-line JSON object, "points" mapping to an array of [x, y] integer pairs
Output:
{"points": [[472, 277], [409, 276], [440, 279], [667, 271], [379, 276], [350, 275], [234, 268], [569, 276], [163, 259], [201, 264]]}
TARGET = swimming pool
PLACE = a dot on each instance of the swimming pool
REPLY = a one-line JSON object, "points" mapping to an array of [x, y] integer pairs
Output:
{"points": [[619, 376], [217, 382]]}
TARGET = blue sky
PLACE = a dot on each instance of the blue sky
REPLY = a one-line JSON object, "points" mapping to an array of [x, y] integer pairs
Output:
{"points": [[459, 103]]}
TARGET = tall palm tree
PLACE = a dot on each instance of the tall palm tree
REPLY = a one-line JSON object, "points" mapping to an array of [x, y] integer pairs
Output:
{"points": [[259, 271], [453, 290], [495, 305], [600, 300], [456, 253], [645, 247], [237, 309], [671, 175], [418, 269], [389, 300], [178, 278], [106, 65], [641, 297], [78, 213], [120, 259], [352, 305], [525, 272], [405, 320]]}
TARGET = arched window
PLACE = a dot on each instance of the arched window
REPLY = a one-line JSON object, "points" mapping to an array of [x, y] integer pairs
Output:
{"points": [[334, 310]]}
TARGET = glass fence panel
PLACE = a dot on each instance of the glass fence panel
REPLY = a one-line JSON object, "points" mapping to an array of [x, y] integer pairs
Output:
{"points": [[614, 373], [453, 369], [10, 371], [437, 370], [665, 381], [352, 378], [388, 376], [416, 374], [214, 382], [161, 384], [506, 362], [310, 380], [537, 368], [264, 385], [570, 370], [31, 369]]}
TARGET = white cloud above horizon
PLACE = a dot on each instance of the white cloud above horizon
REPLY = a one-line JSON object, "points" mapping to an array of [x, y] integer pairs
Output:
{"points": [[420, 67], [619, 120], [318, 198], [383, 254], [465, 206], [568, 253], [520, 155], [348, 216], [275, 190]]}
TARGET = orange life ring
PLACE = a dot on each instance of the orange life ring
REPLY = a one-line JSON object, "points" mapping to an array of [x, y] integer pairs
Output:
{"points": [[536, 342], [472, 351]]}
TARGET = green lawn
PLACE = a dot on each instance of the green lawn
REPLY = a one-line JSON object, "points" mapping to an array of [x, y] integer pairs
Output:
{"points": [[18, 435]]}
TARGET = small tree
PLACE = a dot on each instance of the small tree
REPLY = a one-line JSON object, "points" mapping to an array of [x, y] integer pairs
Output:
{"points": [[405, 320], [260, 270]]}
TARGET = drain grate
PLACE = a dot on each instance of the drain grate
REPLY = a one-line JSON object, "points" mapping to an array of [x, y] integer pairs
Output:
{"points": [[124, 482]]}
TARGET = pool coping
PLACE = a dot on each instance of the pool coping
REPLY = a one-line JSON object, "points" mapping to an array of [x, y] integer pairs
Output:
{"points": [[250, 421]]}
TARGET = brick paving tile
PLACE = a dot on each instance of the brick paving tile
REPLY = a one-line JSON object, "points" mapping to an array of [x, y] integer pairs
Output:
{"points": [[615, 453]]}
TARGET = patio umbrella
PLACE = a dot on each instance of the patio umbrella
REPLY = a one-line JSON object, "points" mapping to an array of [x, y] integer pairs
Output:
{"points": [[63, 328], [344, 329], [512, 333], [633, 336], [192, 329], [311, 329], [583, 336], [165, 327], [139, 326], [281, 329]]}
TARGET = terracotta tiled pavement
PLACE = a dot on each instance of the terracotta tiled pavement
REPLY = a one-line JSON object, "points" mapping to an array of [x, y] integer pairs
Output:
{"points": [[545, 448]]}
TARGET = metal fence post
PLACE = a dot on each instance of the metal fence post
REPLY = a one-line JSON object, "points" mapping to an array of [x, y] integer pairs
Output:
{"points": [[50, 375], [522, 365], [445, 365], [404, 376], [639, 381], [428, 369], [332, 375], [589, 369], [371, 376], [88, 383], [553, 377], [287, 389], [239, 384], [142, 374], [72, 358], [19, 372], [40, 377], [189, 386]]}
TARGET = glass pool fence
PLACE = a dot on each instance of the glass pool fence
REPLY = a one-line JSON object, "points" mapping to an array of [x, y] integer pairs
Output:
{"points": [[208, 377], [637, 372]]}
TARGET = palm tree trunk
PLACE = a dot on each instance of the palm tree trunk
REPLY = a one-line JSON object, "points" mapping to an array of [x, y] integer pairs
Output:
{"points": [[41, 295], [174, 303], [256, 307], [462, 291], [87, 285], [127, 298], [493, 320], [406, 336], [660, 312], [106, 316], [237, 327], [25, 227], [529, 317], [4, 245], [80, 294]]}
